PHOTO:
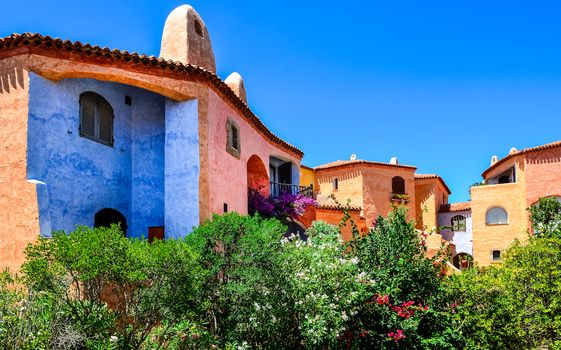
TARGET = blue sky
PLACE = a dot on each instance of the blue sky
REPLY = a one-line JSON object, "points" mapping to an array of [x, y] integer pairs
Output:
{"points": [[441, 85]]}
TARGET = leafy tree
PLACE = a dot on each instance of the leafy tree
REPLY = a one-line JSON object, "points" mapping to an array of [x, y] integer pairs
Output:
{"points": [[546, 217]]}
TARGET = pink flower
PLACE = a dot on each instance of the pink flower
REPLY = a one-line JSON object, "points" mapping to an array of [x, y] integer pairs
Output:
{"points": [[397, 335]]}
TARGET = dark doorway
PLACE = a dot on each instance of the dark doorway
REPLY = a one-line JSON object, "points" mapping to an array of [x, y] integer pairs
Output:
{"points": [[106, 217], [285, 173]]}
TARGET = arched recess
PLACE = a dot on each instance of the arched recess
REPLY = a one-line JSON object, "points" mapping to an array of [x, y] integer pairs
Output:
{"points": [[108, 216], [257, 178], [462, 261]]}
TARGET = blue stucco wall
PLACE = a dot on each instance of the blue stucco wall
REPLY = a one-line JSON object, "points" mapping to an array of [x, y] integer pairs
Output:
{"points": [[181, 168], [82, 176]]}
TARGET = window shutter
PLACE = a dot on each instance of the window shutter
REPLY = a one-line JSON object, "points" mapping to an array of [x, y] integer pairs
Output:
{"points": [[105, 122], [87, 114]]}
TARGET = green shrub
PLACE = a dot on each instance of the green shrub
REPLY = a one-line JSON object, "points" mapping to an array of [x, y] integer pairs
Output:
{"points": [[146, 283], [516, 305], [546, 217], [240, 255]]}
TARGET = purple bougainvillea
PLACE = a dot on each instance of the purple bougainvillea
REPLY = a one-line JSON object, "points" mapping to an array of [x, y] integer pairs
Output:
{"points": [[285, 206]]}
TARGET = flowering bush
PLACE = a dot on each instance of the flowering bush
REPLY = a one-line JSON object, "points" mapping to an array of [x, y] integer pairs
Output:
{"points": [[283, 207]]}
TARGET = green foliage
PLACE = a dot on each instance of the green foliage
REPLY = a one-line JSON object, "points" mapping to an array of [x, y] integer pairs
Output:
{"points": [[516, 305], [240, 255], [407, 304], [325, 284], [546, 217], [146, 284]]}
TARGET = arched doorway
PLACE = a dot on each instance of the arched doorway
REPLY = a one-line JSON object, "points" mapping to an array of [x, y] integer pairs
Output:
{"points": [[257, 178], [108, 216], [462, 261]]}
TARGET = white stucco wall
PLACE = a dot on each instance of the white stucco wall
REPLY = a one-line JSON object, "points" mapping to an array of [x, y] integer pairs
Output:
{"points": [[462, 240]]}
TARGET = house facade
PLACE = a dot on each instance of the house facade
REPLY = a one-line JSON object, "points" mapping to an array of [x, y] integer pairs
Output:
{"points": [[93, 136], [455, 223], [369, 189], [510, 186]]}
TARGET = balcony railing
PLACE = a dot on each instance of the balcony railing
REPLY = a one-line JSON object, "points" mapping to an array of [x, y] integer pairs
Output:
{"points": [[278, 189]]}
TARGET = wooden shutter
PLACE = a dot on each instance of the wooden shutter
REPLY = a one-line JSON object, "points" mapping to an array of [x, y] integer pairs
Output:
{"points": [[105, 115], [87, 114]]}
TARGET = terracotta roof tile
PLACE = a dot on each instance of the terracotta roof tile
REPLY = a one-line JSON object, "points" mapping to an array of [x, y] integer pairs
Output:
{"points": [[339, 163], [453, 207], [523, 151], [37, 44], [433, 176]]}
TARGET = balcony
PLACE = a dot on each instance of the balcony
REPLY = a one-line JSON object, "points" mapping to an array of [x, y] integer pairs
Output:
{"points": [[277, 189]]}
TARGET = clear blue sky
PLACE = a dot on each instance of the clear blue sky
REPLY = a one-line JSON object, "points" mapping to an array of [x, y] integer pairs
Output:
{"points": [[442, 85]]}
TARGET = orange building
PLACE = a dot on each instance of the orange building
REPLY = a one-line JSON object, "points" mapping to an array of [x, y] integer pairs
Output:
{"points": [[510, 186], [373, 188]]}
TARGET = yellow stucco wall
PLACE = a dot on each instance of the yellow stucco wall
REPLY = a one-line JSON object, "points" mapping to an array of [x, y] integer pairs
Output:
{"points": [[512, 198], [307, 177]]}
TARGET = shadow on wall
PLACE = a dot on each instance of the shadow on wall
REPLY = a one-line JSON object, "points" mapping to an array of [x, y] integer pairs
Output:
{"points": [[12, 78]]}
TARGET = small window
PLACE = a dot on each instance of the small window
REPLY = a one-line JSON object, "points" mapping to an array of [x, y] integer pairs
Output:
{"points": [[233, 144], [335, 183], [398, 185], [504, 179], [496, 255], [496, 216], [198, 28], [458, 223], [96, 118]]}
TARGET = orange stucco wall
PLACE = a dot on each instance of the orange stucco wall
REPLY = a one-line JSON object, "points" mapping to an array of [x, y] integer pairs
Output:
{"points": [[543, 174], [378, 186], [429, 196], [512, 198], [18, 197], [333, 216], [222, 165], [368, 187], [350, 184]]}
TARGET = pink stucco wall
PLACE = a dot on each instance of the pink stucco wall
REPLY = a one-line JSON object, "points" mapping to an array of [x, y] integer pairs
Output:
{"points": [[542, 174], [227, 174]]}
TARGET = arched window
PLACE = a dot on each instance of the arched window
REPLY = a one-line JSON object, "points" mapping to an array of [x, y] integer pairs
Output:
{"points": [[96, 118], [458, 223], [496, 215], [398, 185]]}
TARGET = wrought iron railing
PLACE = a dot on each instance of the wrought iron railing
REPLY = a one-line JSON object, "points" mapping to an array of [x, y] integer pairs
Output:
{"points": [[277, 189]]}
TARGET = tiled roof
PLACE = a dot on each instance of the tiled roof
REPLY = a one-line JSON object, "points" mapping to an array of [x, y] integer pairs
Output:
{"points": [[433, 176], [453, 207], [340, 163], [523, 151], [45, 45]]}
